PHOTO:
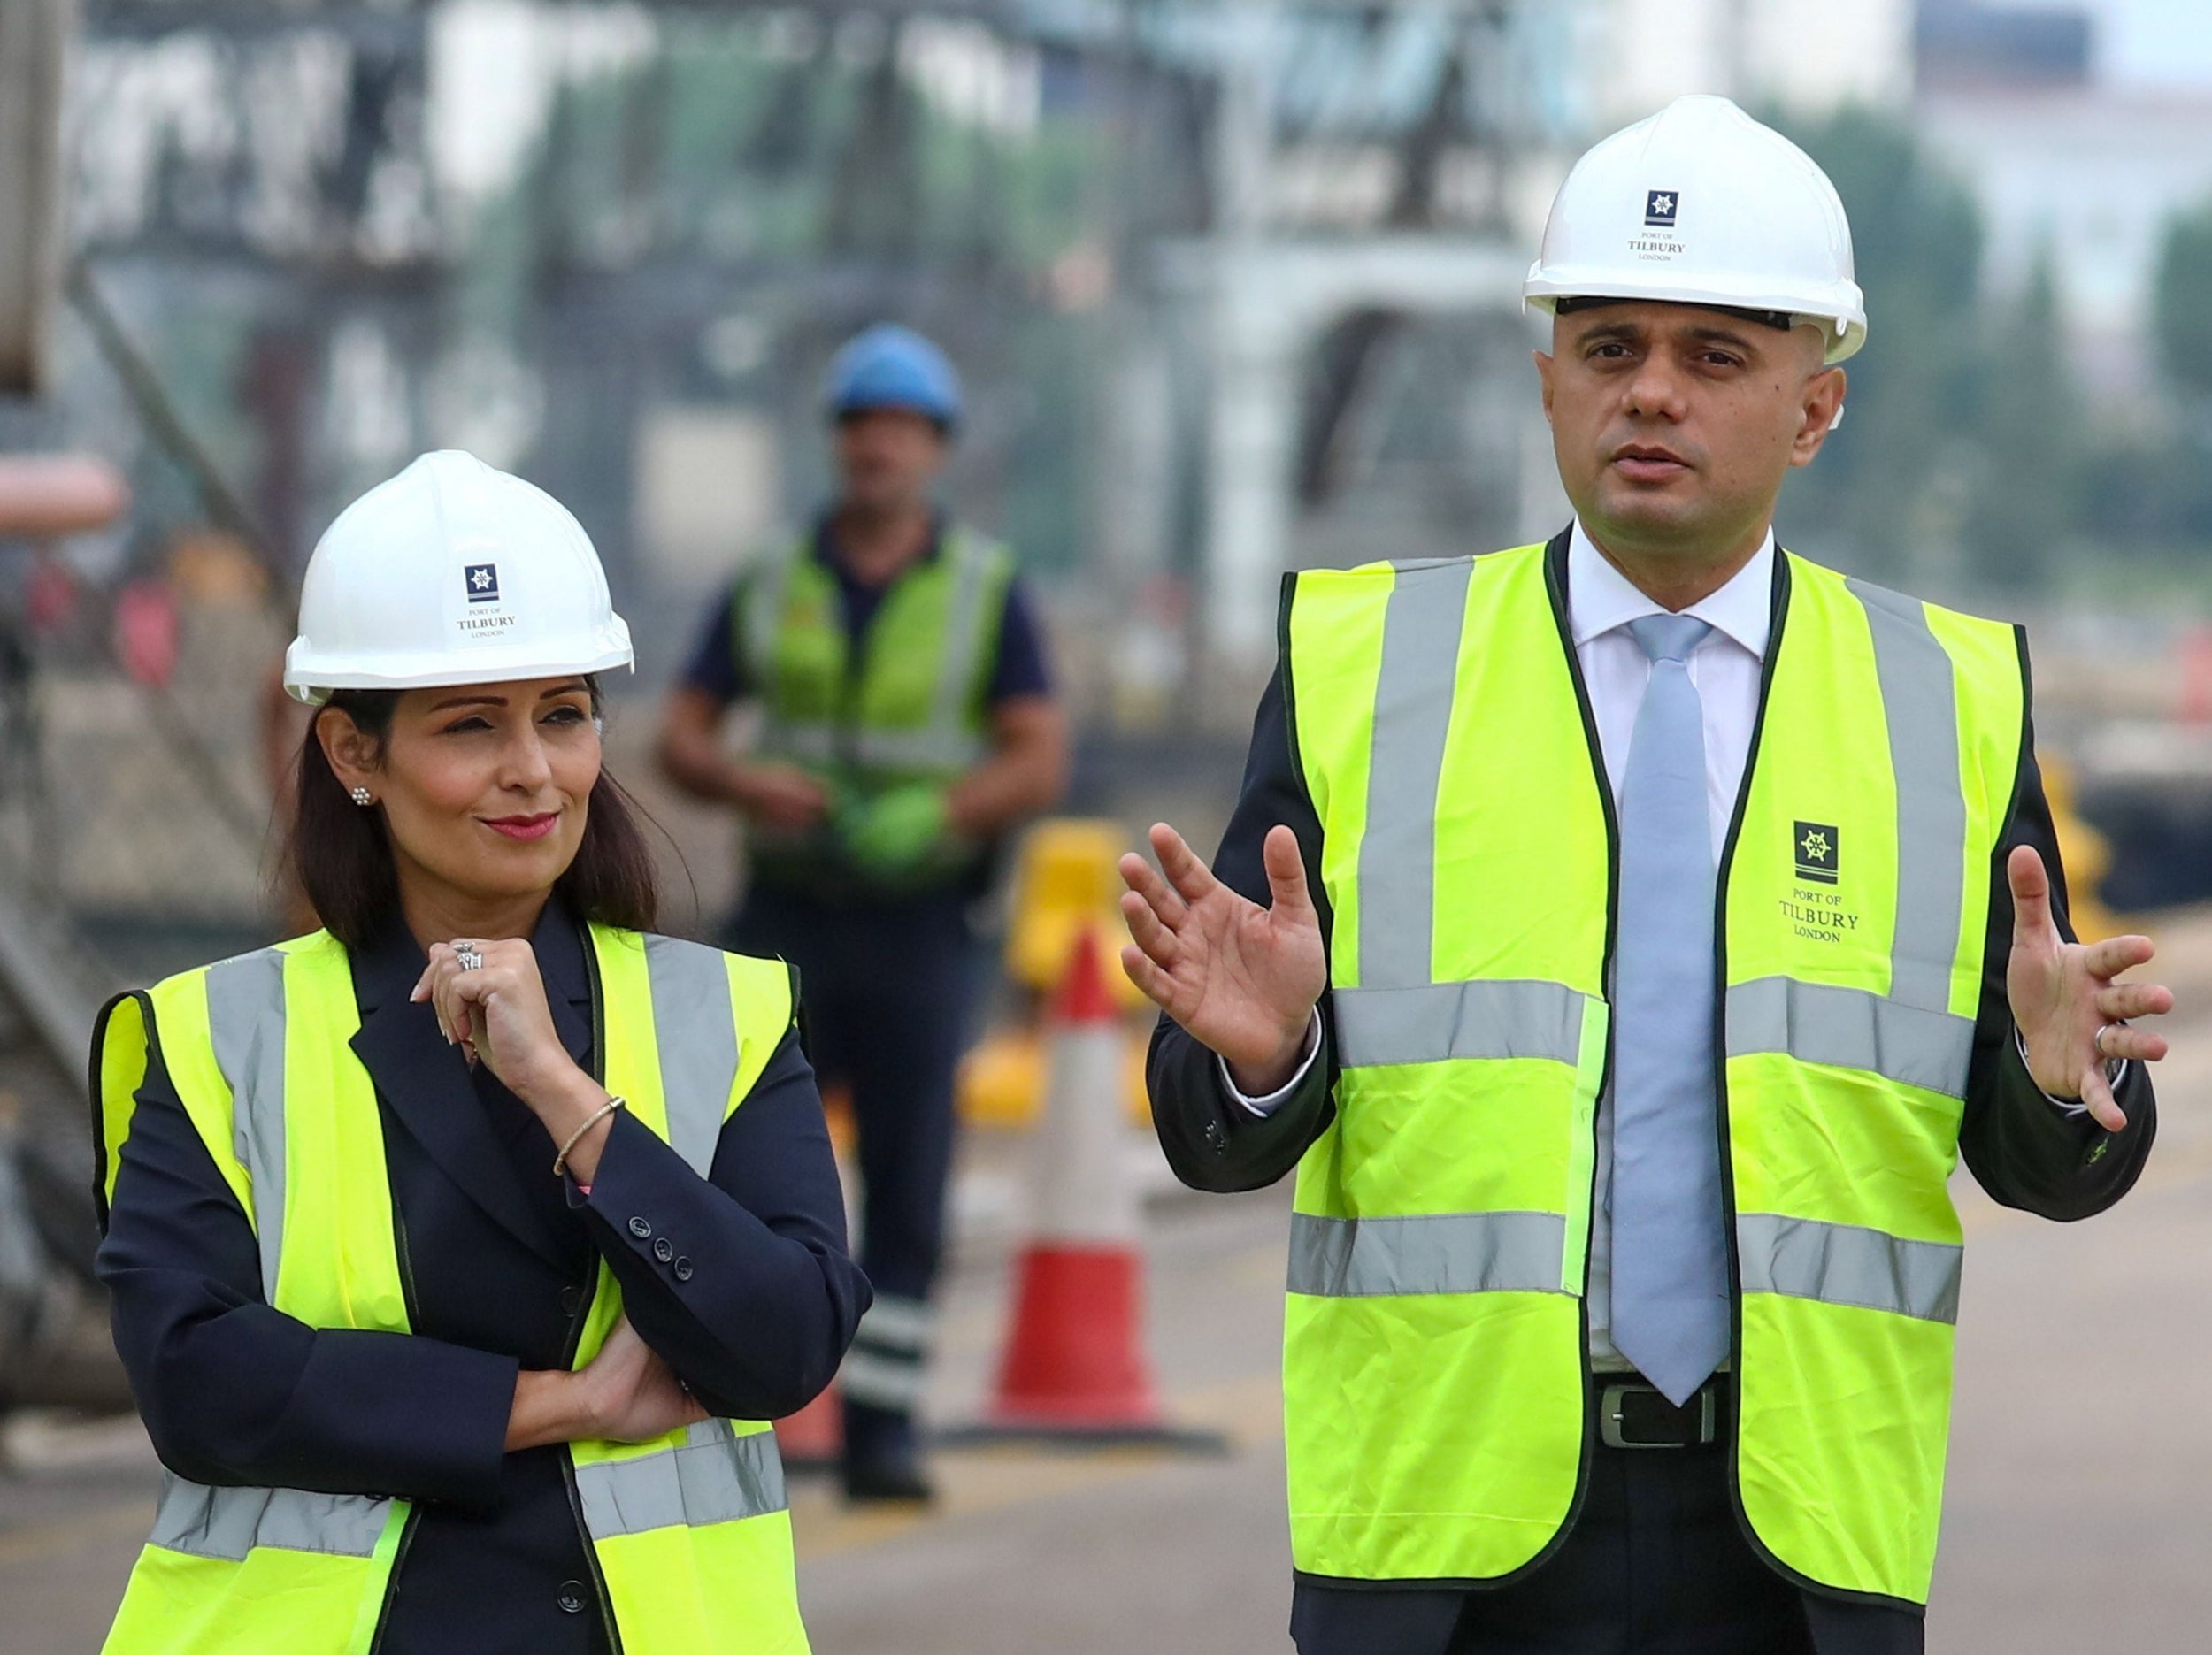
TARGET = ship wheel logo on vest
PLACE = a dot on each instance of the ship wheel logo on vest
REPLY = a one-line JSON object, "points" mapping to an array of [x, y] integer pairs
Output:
{"points": [[1814, 844]]}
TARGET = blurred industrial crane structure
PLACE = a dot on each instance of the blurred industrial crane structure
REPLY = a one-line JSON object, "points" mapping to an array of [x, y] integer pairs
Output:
{"points": [[717, 189]]}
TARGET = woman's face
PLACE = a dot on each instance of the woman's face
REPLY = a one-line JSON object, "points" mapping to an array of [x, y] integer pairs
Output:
{"points": [[484, 786]]}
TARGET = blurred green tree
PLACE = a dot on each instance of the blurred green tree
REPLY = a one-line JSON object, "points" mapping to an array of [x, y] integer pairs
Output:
{"points": [[2027, 498], [1885, 483], [2181, 305]]}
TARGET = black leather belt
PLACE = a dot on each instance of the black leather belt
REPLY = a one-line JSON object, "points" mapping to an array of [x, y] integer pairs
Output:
{"points": [[1633, 1414]]}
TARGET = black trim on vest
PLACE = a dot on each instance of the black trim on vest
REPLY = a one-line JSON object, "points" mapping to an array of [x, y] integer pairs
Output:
{"points": [[582, 1318], [391, 1579]]}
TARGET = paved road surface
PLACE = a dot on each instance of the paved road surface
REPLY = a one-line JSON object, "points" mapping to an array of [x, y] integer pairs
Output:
{"points": [[2079, 1517]]}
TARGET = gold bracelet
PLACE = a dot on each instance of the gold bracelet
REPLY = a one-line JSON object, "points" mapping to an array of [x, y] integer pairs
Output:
{"points": [[560, 1161]]}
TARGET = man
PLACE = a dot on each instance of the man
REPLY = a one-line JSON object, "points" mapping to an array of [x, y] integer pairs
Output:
{"points": [[908, 721], [1621, 937]]}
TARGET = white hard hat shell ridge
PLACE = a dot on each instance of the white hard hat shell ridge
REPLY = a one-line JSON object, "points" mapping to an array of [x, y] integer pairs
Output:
{"points": [[452, 572], [1701, 204]]}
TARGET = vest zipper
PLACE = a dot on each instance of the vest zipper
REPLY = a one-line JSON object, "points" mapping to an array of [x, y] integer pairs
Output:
{"points": [[391, 1581]]}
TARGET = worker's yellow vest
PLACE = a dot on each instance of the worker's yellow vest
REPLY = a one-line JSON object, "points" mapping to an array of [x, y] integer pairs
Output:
{"points": [[690, 1534], [910, 708], [1434, 1375]]}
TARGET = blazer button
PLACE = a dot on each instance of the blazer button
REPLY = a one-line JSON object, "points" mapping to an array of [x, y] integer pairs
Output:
{"points": [[571, 1297], [571, 1597], [663, 1249], [682, 1269], [640, 1229]]}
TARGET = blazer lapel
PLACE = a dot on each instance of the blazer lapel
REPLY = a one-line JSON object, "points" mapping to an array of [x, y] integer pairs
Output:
{"points": [[427, 1084]]}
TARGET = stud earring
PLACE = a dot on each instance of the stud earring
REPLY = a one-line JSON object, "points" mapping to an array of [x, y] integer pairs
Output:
{"points": [[362, 796]]}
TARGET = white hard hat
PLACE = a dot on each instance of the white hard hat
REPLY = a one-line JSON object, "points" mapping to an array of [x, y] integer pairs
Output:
{"points": [[452, 572], [1701, 204]]}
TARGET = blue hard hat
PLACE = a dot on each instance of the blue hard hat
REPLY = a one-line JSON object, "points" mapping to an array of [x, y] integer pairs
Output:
{"points": [[890, 366]]}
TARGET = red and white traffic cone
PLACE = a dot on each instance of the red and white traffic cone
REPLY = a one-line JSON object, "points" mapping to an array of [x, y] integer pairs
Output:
{"points": [[1074, 1367]]}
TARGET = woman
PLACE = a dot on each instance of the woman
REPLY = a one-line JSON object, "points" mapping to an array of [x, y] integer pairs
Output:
{"points": [[446, 1243]]}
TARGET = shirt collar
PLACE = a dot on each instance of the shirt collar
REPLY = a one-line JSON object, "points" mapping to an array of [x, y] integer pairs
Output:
{"points": [[1600, 598]]}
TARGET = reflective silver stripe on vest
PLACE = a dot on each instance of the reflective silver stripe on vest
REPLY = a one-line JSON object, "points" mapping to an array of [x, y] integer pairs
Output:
{"points": [[878, 749], [227, 1523], [1423, 620], [1920, 707], [958, 669], [695, 1028], [1444, 1252], [716, 1476], [1438, 1021], [245, 1016], [1841, 1264], [1851, 1028]]}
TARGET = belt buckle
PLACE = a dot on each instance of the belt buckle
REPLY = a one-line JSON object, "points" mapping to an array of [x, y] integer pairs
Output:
{"points": [[1609, 1413]]}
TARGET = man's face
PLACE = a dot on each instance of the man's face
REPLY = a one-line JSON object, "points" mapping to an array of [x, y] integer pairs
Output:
{"points": [[1674, 425], [888, 458]]}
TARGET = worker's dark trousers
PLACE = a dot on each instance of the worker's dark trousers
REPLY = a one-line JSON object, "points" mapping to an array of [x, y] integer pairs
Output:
{"points": [[887, 991], [1656, 1565]]}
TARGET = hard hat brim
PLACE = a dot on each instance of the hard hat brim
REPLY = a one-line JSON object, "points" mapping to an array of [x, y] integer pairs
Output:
{"points": [[1842, 316], [308, 679]]}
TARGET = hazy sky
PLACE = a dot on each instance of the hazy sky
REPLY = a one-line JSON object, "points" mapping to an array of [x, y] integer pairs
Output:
{"points": [[2154, 43]]}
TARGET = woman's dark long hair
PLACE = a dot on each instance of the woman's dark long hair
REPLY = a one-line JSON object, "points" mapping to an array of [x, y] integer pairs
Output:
{"points": [[342, 857]]}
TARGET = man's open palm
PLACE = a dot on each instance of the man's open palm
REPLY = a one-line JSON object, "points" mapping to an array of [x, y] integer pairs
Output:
{"points": [[2065, 998], [1241, 978]]}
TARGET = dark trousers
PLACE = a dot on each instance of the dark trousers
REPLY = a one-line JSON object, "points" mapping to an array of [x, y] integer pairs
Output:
{"points": [[1656, 1565], [887, 991]]}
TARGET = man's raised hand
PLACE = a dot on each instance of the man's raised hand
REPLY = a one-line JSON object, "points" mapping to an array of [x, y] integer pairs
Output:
{"points": [[1240, 978], [2065, 1000]]}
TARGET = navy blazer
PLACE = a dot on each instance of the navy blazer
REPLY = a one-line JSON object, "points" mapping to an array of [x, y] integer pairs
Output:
{"points": [[497, 1255]]}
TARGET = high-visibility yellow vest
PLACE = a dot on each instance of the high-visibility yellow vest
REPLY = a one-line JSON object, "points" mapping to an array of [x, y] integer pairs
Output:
{"points": [[690, 1534], [910, 707], [1435, 1389]]}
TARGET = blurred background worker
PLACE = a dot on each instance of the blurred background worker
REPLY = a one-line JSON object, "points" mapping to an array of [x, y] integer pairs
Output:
{"points": [[907, 720]]}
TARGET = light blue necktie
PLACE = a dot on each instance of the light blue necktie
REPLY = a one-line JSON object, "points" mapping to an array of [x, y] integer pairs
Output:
{"points": [[1669, 1258]]}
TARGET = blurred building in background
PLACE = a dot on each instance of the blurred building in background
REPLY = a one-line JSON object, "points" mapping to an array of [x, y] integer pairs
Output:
{"points": [[1235, 281]]}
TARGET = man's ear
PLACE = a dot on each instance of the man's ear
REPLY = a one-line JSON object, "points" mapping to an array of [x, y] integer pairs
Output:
{"points": [[1821, 410], [1543, 378]]}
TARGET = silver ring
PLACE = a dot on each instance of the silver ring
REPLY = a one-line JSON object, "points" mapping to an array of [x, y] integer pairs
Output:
{"points": [[465, 952], [2097, 1041]]}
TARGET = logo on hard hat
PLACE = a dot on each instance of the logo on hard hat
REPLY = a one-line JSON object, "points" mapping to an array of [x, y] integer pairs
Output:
{"points": [[483, 582], [1659, 207]]}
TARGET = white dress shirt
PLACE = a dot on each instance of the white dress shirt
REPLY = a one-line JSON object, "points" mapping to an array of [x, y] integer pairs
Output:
{"points": [[1726, 667]]}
